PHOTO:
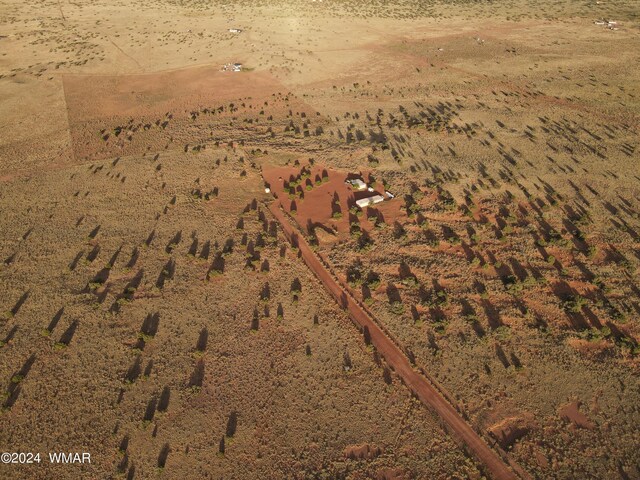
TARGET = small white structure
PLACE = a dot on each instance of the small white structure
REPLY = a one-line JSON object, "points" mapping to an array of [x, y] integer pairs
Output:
{"points": [[357, 183], [235, 30], [610, 24], [366, 202], [389, 194], [267, 190], [233, 67]]}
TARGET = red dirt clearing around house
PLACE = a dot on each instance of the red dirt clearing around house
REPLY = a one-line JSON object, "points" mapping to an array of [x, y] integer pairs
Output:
{"points": [[323, 199]]}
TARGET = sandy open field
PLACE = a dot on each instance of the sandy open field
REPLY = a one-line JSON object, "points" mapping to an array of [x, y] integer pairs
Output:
{"points": [[157, 311]]}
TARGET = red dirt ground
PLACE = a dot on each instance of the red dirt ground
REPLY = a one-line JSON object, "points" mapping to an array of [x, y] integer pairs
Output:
{"points": [[96, 96], [158, 107], [572, 412], [315, 206], [362, 452]]}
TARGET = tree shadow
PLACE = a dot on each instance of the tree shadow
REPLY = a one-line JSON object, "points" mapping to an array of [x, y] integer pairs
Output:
{"points": [[93, 254], [518, 269], [203, 338], [150, 238], [135, 255], [193, 249], [163, 403], [493, 315], [150, 324], [173, 243], [393, 294], [68, 334], [232, 424], [151, 409], [134, 370], [74, 263], [502, 356], [163, 455], [19, 303], [217, 266], [9, 336], [167, 273], [197, 377]]}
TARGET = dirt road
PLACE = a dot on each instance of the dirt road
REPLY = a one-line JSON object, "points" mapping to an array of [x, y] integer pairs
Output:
{"points": [[398, 361]]}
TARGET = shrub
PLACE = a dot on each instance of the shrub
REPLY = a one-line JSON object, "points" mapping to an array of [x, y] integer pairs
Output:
{"points": [[397, 308], [574, 304]]}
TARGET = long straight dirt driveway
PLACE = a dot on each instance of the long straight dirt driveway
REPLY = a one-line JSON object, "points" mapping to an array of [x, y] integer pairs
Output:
{"points": [[394, 356]]}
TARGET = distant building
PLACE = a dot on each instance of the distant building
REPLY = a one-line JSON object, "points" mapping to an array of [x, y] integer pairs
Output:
{"points": [[610, 24], [233, 67], [235, 30], [366, 202]]}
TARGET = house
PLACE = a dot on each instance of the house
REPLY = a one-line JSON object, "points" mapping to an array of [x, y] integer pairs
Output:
{"points": [[366, 202], [235, 30], [357, 183], [610, 24], [233, 67]]}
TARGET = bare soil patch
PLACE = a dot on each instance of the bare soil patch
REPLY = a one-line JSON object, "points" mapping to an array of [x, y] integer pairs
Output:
{"points": [[572, 413]]}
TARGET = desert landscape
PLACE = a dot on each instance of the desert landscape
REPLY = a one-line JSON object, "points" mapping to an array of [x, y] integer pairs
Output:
{"points": [[320, 239]]}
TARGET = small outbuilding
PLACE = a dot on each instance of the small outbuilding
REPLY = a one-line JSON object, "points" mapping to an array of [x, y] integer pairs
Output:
{"points": [[357, 183]]}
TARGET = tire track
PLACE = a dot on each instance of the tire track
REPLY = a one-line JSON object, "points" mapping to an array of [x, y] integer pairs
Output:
{"points": [[125, 53]]}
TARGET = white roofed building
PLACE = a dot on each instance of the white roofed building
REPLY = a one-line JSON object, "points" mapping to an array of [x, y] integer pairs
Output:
{"points": [[366, 202]]}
